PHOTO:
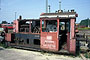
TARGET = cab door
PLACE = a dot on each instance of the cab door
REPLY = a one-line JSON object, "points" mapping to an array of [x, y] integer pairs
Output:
{"points": [[49, 34]]}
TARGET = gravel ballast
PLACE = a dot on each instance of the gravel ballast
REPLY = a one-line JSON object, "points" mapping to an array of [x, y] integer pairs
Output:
{"points": [[19, 54]]}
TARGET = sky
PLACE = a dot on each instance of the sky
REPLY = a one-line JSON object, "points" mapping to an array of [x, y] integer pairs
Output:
{"points": [[31, 9]]}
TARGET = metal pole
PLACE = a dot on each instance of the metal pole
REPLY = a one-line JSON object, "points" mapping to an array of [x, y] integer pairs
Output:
{"points": [[59, 4], [0, 11], [0, 4], [46, 6], [88, 22], [49, 8]]}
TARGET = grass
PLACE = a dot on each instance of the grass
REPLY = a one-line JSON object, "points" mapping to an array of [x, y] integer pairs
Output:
{"points": [[87, 55], [86, 28], [4, 46]]}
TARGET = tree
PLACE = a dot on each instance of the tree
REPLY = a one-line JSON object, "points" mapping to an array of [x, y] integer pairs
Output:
{"points": [[4, 22], [85, 22]]}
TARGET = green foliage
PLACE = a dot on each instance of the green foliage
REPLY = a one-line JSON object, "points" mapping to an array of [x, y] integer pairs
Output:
{"points": [[85, 22], [3, 45], [4, 22], [87, 55]]}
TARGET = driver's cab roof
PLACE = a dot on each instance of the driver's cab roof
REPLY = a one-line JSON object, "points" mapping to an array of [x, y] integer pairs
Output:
{"points": [[60, 14]]}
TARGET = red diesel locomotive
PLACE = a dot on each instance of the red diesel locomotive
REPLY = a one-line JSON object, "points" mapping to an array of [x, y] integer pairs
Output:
{"points": [[52, 32]]}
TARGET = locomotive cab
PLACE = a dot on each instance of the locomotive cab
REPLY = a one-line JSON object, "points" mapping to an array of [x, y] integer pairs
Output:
{"points": [[58, 31]]}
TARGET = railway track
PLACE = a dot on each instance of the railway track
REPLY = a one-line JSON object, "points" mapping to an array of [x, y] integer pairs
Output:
{"points": [[83, 40]]}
